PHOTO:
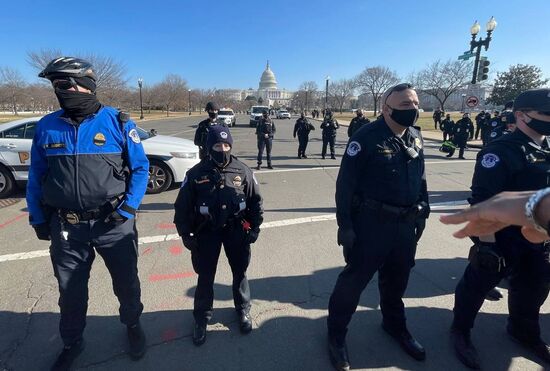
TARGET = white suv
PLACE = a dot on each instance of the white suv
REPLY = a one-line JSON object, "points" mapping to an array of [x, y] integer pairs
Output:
{"points": [[283, 114], [256, 113], [227, 116]]}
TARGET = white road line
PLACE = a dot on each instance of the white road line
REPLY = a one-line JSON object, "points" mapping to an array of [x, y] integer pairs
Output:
{"points": [[176, 237]]}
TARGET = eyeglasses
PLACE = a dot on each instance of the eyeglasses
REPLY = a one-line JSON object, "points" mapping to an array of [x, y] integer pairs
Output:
{"points": [[398, 88], [63, 84]]}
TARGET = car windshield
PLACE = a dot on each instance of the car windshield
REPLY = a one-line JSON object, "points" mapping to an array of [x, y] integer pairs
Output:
{"points": [[258, 109], [225, 113], [143, 134]]}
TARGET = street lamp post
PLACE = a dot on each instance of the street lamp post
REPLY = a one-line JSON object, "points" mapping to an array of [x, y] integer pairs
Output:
{"points": [[326, 92], [463, 99], [477, 44], [140, 84], [307, 109], [189, 100]]}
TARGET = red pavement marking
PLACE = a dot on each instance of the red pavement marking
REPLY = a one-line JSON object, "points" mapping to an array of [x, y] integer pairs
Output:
{"points": [[171, 276], [166, 226], [169, 335], [13, 220], [176, 250], [147, 251]]}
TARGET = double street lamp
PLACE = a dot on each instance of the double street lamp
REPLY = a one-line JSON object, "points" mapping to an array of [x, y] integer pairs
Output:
{"points": [[326, 92], [140, 84], [189, 100], [477, 44], [463, 99]]}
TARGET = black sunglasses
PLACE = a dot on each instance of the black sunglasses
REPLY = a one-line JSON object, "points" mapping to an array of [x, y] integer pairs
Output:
{"points": [[63, 84]]}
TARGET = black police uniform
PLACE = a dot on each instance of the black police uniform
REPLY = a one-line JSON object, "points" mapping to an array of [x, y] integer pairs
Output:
{"points": [[513, 162], [497, 133], [378, 193], [447, 127], [485, 127], [356, 123], [302, 128], [462, 130], [437, 117], [201, 133], [480, 119], [218, 206], [265, 132], [329, 126]]}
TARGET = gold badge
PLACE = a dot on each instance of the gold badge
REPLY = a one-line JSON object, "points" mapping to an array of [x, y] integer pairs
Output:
{"points": [[418, 142], [99, 139], [237, 181]]}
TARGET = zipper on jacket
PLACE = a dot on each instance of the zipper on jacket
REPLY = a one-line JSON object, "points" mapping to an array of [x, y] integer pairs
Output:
{"points": [[77, 188]]}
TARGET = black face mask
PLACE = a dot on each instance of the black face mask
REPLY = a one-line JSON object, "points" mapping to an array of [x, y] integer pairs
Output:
{"points": [[541, 127], [77, 105], [360, 115], [221, 159], [213, 115], [404, 117]]}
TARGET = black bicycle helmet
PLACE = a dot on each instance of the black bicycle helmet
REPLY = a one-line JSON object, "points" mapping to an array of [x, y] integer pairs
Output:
{"points": [[64, 67]]}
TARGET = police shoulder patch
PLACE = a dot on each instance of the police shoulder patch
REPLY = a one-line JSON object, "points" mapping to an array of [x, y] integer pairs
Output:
{"points": [[493, 134], [353, 148], [489, 160], [133, 134], [418, 142]]}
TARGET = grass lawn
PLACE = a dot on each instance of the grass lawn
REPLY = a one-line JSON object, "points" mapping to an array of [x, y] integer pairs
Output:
{"points": [[154, 115]]}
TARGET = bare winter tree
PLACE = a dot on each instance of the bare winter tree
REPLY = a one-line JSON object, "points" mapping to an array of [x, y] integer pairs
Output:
{"points": [[172, 91], [341, 91], [375, 81], [304, 98], [13, 86], [442, 79]]}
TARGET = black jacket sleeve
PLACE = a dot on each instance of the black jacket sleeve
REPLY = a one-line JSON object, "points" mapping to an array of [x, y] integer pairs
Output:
{"points": [[184, 217], [254, 209]]}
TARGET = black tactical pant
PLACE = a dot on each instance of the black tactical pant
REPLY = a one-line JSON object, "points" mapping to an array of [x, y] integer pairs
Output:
{"points": [[72, 254], [205, 262], [264, 143], [385, 246], [302, 144], [478, 129], [527, 270], [460, 142], [437, 121], [328, 140]]}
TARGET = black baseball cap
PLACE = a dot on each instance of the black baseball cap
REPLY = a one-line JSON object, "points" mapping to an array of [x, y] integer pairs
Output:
{"points": [[533, 100]]}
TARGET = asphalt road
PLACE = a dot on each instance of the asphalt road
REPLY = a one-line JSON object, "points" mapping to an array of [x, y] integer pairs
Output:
{"points": [[293, 269]]}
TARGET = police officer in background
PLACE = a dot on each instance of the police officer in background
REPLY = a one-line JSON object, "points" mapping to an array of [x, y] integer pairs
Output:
{"points": [[447, 126], [486, 128], [219, 203], [438, 113], [87, 177], [381, 209], [518, 161], [264, 133], [329, 127], [302, 128], [357, 122], [508, 119], [462, 130], [204, 126], [480, 119]]}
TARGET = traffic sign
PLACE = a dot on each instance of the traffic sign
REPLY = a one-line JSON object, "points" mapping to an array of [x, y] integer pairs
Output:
{"points": [[472, 101], [467, 55]]}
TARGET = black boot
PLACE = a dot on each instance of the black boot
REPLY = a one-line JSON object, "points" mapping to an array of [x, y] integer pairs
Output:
{"points": [[338, 354], [269, 167], [304, 156], [67, 356], [333, 157], [258, 167], [245, 322], [494, 295], [407, 342], [136, 339], [199, 333], [534, 344], [465, 350]]}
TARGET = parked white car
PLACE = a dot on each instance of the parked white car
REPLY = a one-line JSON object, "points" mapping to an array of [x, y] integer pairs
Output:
{"points": [[169, 157], [227, 116], [283, 114]]}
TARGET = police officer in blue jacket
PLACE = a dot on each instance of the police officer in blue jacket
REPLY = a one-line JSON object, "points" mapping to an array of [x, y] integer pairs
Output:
{"points": [[219, 203], [87, 177], [381, 209]]}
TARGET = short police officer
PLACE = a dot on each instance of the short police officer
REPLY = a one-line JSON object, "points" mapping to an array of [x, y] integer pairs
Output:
{"points": [[219, 203], [462, 131], [518, 161], [302, 128], [356, 122], [329, 127], [202, 129], [87, 177], [381, 209], [264, 135], [437, 115], [447, 126]]}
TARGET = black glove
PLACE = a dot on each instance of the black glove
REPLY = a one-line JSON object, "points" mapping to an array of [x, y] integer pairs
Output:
{"points": [[42, 231], [115, 218], [346, 239], [190, 242], [252, 235], [420, 225]]}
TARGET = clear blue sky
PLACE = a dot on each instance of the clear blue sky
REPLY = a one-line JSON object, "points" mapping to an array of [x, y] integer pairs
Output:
{"points": [[226, 43]]}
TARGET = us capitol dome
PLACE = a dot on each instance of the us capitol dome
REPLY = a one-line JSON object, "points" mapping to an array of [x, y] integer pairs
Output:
{"points": [[268, 91]]}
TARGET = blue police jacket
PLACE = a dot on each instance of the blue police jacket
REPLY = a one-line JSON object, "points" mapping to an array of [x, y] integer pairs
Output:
{"points": [[81, 167]]}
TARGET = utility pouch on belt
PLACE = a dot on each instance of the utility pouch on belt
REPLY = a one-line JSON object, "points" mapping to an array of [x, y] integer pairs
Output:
{"points": [[485, 257]]}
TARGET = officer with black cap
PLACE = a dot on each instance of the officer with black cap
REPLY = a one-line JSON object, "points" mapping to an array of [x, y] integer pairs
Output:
{"points": [[202, 129], [438, 114], [381, 209], [329, 127], [87, 177], [447, 127], [462, 130], [356, 122], [219, 203], [480, 119], [302, 128], [519, 161], [264, 134]]}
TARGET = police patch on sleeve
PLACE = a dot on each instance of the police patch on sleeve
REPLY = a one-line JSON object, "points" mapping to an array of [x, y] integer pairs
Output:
{"points": [[489, 160], [353, 149], [493, 134], [133, 134]]}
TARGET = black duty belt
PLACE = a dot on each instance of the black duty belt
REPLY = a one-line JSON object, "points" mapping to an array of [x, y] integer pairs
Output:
{"points": [[75, 217], [399, 213]]}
